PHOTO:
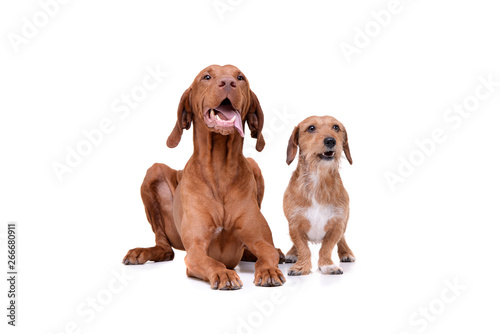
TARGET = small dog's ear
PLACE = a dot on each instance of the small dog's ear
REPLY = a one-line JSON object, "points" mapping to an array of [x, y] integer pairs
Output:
{"points": [[255, 120], [184, 118], [293, 142], [347, 152]]}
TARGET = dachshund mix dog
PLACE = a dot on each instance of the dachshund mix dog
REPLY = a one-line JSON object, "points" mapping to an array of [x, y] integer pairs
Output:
{"points": [[211, 209], [315, 202]]}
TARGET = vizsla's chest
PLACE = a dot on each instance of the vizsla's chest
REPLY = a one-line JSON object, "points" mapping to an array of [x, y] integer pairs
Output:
{"points": [[318, 216]]}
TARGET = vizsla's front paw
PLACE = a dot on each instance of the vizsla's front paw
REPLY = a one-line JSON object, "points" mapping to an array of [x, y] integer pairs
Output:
{"points": [[269, 277], [225, 280], [299, 269]]}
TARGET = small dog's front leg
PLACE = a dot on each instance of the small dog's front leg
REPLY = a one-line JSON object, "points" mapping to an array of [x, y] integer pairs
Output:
{"points": [[303, 265], [325, 263]]}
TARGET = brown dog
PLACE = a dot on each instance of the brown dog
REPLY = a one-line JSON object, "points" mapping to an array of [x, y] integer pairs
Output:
{"points": [[315, 202], [211, 209]]}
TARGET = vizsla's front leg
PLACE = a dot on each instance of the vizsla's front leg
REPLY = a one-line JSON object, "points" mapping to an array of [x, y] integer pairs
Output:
{"points": [[202, 266], [254, 232]]}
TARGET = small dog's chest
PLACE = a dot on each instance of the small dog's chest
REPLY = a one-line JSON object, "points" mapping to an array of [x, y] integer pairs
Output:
{"points": [[319, 215]]}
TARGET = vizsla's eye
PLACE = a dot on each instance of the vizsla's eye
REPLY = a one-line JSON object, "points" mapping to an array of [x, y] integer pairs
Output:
{"points": [[336, 128], [207, 77], [240, 77], [311, 129]]}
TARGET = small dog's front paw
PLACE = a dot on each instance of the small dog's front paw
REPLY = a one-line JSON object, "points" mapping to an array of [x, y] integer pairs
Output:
{"points": [[297, 270], [347, 258], [290, 258], [331, 270], [269, 277]]}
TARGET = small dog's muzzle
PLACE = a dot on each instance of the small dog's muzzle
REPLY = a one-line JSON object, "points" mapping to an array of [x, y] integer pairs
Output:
{"points": [[330, 142]]}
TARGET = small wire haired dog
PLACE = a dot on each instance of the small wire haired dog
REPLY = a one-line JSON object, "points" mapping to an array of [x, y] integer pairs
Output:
{"points": [[315, 202]]}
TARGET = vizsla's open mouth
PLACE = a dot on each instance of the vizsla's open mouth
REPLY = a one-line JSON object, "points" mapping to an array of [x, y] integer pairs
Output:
{"points": [[224, 118]]}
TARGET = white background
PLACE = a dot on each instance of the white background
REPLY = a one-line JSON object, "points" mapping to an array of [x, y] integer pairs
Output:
{"points": [[439, 225]]}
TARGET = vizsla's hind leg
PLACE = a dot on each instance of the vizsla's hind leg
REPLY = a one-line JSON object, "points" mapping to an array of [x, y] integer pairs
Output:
{"points": [[259, 179], [292, 255], [157, 192], [248, 256]]}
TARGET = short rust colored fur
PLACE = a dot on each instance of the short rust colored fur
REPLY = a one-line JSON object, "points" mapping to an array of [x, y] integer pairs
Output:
{"points": [[211, 208], [315, 202]]}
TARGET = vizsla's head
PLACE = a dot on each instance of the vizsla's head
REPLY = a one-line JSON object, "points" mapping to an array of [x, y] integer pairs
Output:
{"points": [[321, 140], [220, 97]]}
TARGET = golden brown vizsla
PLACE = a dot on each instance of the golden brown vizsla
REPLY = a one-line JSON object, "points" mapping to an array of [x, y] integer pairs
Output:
{"points": [[211, 209]]}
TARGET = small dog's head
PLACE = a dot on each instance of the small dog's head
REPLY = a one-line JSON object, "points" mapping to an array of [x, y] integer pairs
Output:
{"points": [[321, 140], [221, 98]]}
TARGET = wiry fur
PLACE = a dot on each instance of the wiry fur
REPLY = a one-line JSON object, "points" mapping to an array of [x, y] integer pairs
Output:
{"points": [[315, 202]]}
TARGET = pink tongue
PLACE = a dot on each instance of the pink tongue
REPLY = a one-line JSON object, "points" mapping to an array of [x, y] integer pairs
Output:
{"points": [[229, 112]]}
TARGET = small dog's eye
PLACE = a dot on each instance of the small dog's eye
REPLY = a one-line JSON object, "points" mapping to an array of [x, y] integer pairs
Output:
{"points": [[336, 128], [311, 129], [207, 77], [240, 77]]}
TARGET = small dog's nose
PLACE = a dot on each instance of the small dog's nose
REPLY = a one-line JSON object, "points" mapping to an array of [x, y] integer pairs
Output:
{"points": [[330, 142], [227, 83]]}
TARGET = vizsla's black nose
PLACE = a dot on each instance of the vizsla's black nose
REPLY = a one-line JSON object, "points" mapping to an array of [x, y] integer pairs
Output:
{"points": [[227, 83], [330, 142]]}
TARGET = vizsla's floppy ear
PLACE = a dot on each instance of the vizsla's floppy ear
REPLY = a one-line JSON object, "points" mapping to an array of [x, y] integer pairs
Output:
{"points": [[291, 151], [255, 120], [184, 118], [347, 152]]}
